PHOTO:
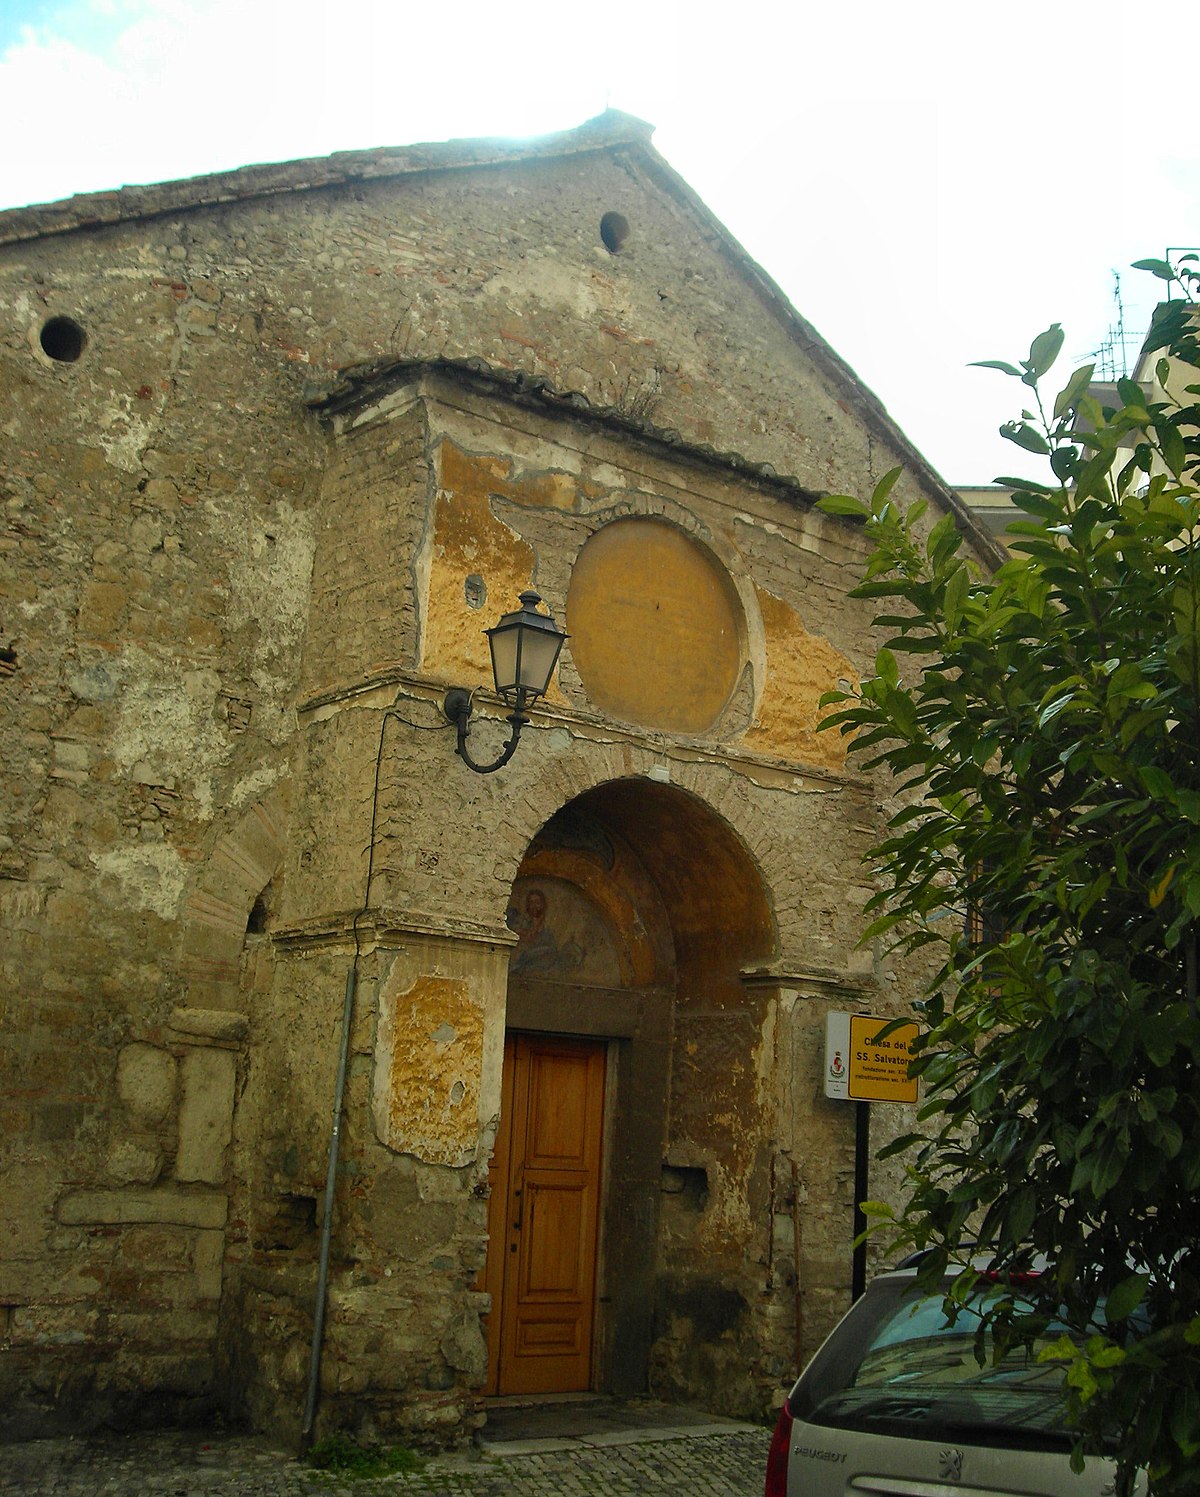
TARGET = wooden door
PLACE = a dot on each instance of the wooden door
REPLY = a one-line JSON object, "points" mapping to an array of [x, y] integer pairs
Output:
{"points": [[543, 1216]]}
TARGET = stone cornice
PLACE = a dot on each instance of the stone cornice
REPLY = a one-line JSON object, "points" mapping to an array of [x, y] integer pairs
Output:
{"points": [[414, 688], [386, 927], [357, 389], [812, 982]]}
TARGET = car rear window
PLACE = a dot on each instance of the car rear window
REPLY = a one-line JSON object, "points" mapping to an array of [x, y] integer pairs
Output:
{"points": [[898, 1365]]}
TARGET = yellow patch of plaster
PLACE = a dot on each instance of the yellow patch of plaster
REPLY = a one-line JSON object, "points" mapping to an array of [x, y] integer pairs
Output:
{"points": [[643, 590], [434, 1073], [469, 540], [800, 667]]}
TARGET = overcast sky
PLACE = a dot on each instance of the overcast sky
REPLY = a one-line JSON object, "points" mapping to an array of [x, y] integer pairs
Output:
{"points": [[929, 182]]}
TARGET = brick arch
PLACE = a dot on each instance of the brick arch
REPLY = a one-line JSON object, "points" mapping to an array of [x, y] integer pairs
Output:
{"points": [[755, 823], [572, 774], [588, 767], [552, 785], [241, 865]]}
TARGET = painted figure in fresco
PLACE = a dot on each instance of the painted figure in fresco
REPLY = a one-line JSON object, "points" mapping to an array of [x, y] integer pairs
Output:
{"points": [[538, 953]]}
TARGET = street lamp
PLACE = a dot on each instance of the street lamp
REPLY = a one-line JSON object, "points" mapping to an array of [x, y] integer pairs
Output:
{"points": [[525, 645]]}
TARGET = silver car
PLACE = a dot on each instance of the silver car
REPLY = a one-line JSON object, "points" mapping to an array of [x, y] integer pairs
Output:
{"points": [[896, 1403]]}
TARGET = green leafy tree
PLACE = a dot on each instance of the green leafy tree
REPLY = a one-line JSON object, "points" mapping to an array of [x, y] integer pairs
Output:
{"points": [[1042, 726]]}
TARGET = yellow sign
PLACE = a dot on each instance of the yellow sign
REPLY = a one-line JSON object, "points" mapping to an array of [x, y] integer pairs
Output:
{"points": [[865, 1064]]}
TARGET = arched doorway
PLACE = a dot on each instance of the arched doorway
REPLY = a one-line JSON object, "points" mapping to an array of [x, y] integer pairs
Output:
{"points": [[630, 1129]]}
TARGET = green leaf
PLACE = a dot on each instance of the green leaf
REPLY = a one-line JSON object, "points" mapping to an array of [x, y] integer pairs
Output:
{"points": [[1063, 1349], [884, 487], [1025, 436], [1173, 448], [1055, 706], [1073, 389], [1160, 268], [1043, 351], [954, 598], [843, 504], [1024, 486], [1063, 461], [1157, 781], [1124, 1298], [995, 364], [1159, 892], [1131, 393]]}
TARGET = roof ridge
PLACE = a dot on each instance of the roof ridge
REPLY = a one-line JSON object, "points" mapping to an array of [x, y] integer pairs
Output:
{"points": [[89, 210]]}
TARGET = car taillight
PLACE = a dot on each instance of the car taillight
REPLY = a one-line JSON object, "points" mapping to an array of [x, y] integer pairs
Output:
{"points": [[777, 1456]]}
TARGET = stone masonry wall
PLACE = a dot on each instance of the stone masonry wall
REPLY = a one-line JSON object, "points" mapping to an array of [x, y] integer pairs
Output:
{"points": [[226, 556]]}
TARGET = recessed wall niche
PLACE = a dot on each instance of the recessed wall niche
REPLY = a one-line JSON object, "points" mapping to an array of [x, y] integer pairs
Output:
{"points": [[656, 627]]}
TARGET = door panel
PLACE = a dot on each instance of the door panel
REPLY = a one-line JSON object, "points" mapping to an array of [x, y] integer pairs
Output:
{"points": [[543, 1215], [556, 1260]]}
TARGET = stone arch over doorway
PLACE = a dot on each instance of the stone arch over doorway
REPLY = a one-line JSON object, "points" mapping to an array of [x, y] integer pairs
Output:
{"points": [[637, 909], [220, 908]]}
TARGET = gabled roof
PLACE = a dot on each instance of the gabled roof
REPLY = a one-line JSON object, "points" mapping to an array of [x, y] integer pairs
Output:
{"points": [[612, 132], [91, 210]]}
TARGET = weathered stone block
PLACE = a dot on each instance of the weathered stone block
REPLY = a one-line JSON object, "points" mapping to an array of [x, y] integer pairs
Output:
{"points": [[205, 1115], [213, 1024], [134, 1159], [146, 1082], [464, 1348], [115, 1207]]}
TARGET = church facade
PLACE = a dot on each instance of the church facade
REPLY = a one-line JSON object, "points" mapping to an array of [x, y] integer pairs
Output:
{"points": [[279, 446]]}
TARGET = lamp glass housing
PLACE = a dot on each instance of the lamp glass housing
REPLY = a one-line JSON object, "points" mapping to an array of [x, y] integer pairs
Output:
{"points": [[525, 647]]}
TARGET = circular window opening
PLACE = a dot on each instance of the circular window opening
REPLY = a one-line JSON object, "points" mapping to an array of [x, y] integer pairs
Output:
{"points": [[614, 231], [63, 339]]}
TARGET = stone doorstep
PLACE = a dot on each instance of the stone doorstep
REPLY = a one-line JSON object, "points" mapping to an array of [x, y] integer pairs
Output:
{"points": [[504, 1449], [524, 1426]]}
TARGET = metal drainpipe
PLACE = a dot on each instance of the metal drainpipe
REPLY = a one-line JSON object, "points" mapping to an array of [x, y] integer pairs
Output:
{"points": [[335, 1132], [339, 1091]]}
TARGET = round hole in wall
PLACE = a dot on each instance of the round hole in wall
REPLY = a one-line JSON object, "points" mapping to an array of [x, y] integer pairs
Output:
{"points": [[62, 339], [614, 231]]}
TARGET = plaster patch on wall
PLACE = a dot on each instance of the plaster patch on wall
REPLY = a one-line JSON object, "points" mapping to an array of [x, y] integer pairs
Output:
{"points": [[148, 877], [531, 283], [274, 720], [20, 902], [800, 667], [728, 1220], [166, 732], [764, 1057], [428, 1062], [468, 539], [269, 582], [123, 435], [254, 787], [644, 590]]}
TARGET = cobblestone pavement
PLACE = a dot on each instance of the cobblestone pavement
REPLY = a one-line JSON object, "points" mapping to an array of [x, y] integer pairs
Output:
{"points": [[193, 1464]]}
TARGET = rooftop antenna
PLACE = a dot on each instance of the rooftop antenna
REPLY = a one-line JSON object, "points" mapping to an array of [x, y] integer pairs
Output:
{"points": [[1120, 328], [1112, 357]]}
